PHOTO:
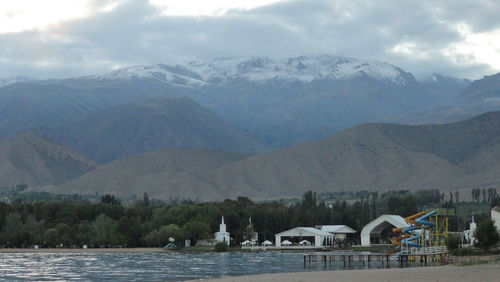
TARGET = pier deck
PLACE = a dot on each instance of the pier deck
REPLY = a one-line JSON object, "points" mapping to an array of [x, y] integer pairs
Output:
{"points": [[385, 259]]}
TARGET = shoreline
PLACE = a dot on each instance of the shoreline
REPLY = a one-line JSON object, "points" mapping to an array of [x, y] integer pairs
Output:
{"points": [[81, 250], [446, 273]]}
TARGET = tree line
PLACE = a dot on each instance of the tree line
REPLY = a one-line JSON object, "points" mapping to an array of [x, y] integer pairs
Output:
{"points": [[150, 223]]}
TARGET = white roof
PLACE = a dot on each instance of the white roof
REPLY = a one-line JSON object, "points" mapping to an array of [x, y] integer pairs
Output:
{"points": [[286, 242], [247, 242], [304, 242], [379, 224], [304, 231], [267, 242], [337, 229]]}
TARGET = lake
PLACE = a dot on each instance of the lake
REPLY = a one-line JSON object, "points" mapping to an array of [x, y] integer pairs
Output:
{"points": [[173, 266]]}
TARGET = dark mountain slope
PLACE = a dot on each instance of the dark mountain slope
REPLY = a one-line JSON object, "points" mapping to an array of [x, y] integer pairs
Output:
{"points": [[29, 159], [162, 174], [49, 102], [147, 125], [479, 97]]}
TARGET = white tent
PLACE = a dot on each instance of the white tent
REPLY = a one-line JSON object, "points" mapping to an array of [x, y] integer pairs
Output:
{"points": [[246, 243], [286, 243], [380, 223], [305, 243], [320, 238], [267, 243]]}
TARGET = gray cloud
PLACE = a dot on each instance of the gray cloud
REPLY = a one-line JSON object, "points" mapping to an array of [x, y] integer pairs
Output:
{"points": [[136, 32]]}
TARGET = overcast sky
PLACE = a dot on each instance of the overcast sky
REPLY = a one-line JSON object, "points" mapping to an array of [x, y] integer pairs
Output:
{"points": [[60, 38]]}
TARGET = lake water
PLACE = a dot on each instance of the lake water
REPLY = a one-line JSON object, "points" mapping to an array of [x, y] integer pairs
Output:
{"points": [[171, 266]]}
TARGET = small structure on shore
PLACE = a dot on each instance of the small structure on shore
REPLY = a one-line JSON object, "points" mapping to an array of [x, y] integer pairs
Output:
{"points": [[339, 232], [311, 234], [222, 235], [374, 229], [246, 243], [267, 243]]}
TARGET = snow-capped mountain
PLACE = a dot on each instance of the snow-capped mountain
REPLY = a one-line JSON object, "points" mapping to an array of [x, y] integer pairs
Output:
{"points": [[280, 101], [7, 81], [260, 69]]}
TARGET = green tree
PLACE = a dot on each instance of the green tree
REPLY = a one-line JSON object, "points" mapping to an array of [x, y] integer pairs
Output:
{"points": [[110, 199], [131, 229], [104, 231], [172, 231], [14, 231], [196, 230], [486, 234], [160, 237]]}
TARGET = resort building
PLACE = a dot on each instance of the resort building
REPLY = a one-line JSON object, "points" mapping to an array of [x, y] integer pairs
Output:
{"points": [[339, 232], [298, 235], [495, 216], [382, 225]]}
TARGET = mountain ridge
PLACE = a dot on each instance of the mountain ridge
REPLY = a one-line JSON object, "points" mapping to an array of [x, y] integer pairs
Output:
{"points": [[27, 158], [373, 156], [303, 68], [147, 125]]}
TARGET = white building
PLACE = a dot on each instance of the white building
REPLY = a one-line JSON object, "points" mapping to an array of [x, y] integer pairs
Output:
{"points": [[495, 216], [339, 232], [311, 234], [222, 235], [469, 234], [375, 228]]}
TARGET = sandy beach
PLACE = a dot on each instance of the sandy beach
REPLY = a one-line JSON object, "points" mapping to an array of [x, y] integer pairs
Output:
{"points": [[89, 250], [449, 273]]}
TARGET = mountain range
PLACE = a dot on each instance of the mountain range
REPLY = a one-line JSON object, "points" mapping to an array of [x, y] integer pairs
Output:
{"points": [[375, 156], [249, 126], [280, 102]]}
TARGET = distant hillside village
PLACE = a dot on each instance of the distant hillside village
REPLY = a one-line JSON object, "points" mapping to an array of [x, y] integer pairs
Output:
{"points": [[365, 219]]}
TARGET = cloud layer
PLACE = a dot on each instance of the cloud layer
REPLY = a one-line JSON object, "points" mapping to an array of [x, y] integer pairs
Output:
{"points": [[422, 37]]}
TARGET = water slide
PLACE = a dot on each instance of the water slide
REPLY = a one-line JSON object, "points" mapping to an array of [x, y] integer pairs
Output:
{"points": [[410, 234]]}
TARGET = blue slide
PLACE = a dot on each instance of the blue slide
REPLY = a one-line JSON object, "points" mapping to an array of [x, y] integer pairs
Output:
{"points": [[420, 221]]}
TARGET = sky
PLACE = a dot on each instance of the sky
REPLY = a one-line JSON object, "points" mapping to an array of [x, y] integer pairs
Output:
{"points": [[61, 38]]}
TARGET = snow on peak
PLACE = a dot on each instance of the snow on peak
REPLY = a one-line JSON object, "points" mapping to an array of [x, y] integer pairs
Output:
{"points": [[7, 81], [260, 69], [175, 75]]}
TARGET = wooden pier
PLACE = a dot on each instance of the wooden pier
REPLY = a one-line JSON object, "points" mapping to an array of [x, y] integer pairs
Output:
{"points": [[347, 259], [366, 259]]}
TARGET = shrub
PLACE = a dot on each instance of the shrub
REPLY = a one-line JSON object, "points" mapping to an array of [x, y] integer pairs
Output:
{"points": [[452, 242], [462, 252], [486, 234], [221, 247]]}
